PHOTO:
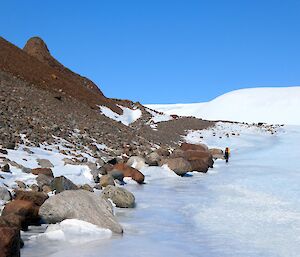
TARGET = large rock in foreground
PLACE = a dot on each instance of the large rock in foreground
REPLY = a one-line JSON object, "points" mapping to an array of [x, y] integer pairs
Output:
{"points": [[82, 205], [120, 196], [10, 241], [27, 211]]}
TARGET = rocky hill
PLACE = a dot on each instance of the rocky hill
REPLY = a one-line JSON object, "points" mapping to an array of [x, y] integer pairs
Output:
{"points": [[42, 100]]}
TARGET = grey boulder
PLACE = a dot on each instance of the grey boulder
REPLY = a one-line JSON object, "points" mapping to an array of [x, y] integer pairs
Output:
{"points": [[82, 205], [120, 196], [5, 195]]}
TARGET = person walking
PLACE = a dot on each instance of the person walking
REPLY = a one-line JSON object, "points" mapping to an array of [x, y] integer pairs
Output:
{"points": [[227, 153]]}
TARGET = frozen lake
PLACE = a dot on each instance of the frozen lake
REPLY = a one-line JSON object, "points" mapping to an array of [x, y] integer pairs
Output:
{"points": [[250, 207]]}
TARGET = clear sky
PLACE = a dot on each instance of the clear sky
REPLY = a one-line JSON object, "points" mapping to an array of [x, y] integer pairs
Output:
{"points": [[165, 51]]}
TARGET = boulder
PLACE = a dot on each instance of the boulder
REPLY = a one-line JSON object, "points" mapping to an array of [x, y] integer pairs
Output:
{"points": [[82, 205], [106, 180], [164, 152], [179, 165], [194, 155], [44, 163], [198, 147], [38, 198], [10, 241], [116, 174], [153, 159], [27, 210], [46, 189], [136, 162], [120, 196], [21, 184], [94, 171], [35, 188], [12, 220], [87, 187], [217, 153], [5, 168], [60, 184], [106, 168], [45, 171], [3, 151], [5, 194], [199, 165], [130, 172], [43, 180]]}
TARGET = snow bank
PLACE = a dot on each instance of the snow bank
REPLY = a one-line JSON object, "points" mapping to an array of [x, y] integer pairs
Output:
{"points": [[129, 116], [270, 105], [158, 117], [73, 231]]}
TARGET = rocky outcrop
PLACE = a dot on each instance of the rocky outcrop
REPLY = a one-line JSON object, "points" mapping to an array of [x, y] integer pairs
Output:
{"points": [[80, 204], [60, 184], [120, 196], [153, 159], [130, 172]]}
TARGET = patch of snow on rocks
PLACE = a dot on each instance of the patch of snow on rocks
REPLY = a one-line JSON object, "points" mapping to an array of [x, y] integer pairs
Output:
{"points": [[129, 116], [158, 117]]}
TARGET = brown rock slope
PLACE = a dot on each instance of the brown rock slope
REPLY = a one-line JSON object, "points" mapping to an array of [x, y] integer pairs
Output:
{"points": [[40, 98], [36, 66]]}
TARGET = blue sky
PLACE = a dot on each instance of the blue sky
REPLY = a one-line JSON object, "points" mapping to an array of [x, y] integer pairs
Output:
{"points": [[165, 51]]}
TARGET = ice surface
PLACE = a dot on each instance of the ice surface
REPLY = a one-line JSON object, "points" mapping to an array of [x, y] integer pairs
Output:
{"points": [[247, 208], [129, 116], [271, 105]]}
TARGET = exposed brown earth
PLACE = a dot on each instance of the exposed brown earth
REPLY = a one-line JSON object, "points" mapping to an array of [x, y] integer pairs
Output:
{"points": [[40, 98]]}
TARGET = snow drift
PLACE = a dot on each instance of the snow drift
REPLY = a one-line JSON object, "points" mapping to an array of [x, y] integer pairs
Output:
{"points": [[270, 105]]}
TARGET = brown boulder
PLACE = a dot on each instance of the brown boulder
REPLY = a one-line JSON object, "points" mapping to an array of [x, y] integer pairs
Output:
{"points": [[12, 220], [10, 241], [179, 165], [163, 152], [87, 187], [217, 153], [199, 165], [38, 198], [130, 172], [46, 171], [199, 147], [27, 210]]}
